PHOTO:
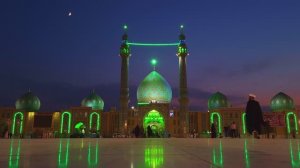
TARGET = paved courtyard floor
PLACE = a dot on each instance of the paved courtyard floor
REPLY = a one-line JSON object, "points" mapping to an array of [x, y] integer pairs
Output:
{"points": [[150, 153]]}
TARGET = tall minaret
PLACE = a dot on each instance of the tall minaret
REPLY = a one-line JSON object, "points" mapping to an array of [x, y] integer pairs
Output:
{"points": [[124, 89], [182, 53]]}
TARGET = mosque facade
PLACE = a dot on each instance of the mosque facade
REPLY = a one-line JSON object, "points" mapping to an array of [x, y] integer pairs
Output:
{"points": [[153, 110]]}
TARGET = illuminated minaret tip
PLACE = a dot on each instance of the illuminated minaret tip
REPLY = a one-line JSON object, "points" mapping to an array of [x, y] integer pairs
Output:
{"points": [[182, 53], [154, 63]]}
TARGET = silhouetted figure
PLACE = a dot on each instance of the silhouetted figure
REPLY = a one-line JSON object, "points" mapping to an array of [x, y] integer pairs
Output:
{"points": [[213, 131], [233, 130], [137, 131], [254, 117], [149, 131]]}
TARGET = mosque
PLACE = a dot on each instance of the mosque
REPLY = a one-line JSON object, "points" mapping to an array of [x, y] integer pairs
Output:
{"points": [[154, 109]]}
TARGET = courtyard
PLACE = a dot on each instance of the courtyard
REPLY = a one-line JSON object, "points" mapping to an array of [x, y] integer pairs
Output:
{"points": [[149, 153]]}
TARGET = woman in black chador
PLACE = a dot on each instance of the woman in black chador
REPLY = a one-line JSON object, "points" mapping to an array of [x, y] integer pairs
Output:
{"points": [[254, 117], [149, 131]]}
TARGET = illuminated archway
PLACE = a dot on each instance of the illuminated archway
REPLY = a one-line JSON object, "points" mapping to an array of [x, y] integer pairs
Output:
{"points": [[156, 122], [62, 122], [97, 121], [20, 123], [219, 120], [244, 122], [288, 122]]}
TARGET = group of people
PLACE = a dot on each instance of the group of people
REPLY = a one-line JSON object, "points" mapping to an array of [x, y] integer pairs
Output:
{"points": [[254, 120], [138, 132]]}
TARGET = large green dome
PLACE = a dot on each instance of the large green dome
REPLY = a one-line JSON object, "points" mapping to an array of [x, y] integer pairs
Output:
{"points": [[94, 101], [217, 100], [28, 102], [282, 102], [154, 88]]}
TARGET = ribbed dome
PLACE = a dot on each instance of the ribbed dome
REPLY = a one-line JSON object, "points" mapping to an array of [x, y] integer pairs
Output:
{"points": [[94, 101], [28, 102], [282, 102], [217, 100], [154, 88]]}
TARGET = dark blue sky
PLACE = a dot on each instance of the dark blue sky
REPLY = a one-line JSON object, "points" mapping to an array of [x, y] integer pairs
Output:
{"points": [[235, 47]]}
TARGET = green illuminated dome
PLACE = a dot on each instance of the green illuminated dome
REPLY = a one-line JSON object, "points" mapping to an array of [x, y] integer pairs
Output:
{"points": [[282, 102], [28, 102], [217, 100], [94, 101], [154, 88]]}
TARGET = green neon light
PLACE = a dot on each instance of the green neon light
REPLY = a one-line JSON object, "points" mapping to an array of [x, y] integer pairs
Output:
{"points": [[63, 155], [153, 44], [125, 27], [244, 122], [143, 103], [153, 62], [14, 158], [21, 122], [156, 121], [62, 121], [289, 124], [295, 158], [219, 120], [95, 161], [79, 125], [98, 120], [246, 153], [218, 159], [154, 156]]}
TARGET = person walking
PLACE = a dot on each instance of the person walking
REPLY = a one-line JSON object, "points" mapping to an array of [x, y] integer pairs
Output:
{"points": [[254, 117]]}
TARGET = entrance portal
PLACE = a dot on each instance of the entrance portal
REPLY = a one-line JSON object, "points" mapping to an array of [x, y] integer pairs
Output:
{"points": [[154, 124]]}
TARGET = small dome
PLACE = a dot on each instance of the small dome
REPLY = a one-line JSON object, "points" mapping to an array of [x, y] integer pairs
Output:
{"points": [[217, 100], [282, 102], [28, 102], [154, 88], [94, 101]]}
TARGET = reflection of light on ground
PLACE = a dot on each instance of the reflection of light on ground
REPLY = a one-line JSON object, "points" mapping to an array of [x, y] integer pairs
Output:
{"points": [[14, 154], [63, 154], [93, 153], [295, 154], [246, 154], [154, 156], [217, 155]]}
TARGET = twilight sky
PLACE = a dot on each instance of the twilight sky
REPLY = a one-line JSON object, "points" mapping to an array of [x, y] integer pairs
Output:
{"points": [[236, 47]]}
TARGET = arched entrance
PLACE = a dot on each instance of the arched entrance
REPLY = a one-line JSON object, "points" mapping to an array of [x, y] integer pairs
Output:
{"points": [[155, 121], [291, 122], [62, 122], [17, 127], [218, 121], [95, 127]]}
